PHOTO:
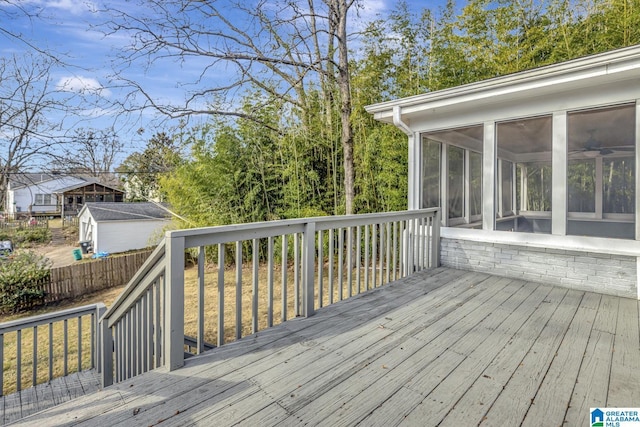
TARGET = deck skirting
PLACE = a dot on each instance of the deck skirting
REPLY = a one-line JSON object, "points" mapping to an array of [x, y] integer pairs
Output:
{"points": [[604, 273]]}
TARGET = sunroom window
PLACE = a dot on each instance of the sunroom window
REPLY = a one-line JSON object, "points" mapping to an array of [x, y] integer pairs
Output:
{"points": [[456, 156], [601, 172]]}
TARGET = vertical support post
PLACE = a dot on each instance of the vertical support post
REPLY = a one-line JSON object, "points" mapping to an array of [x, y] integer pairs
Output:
{"points": [[106, 352], [559, 166], [174, 303], [308, 268], [488, 177], [435, 240], [96, 357]]}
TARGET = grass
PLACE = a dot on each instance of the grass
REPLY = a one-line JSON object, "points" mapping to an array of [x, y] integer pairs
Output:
{"points": [[191, 319]]}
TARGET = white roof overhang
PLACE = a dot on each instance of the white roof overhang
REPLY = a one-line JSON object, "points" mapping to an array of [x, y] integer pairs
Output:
{"points": [[553, 80]]}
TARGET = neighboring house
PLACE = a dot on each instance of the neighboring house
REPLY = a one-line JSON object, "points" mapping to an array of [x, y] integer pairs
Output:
{"points": [[535, 172], [75, 196], [120, 227], [55, 194]]}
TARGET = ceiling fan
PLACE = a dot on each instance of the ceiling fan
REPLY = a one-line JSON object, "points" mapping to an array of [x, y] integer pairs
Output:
{"points": [[593, 147]]}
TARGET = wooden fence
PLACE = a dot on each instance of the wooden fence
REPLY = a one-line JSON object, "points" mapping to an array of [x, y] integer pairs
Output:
{"points": [[25, 224], [79, 279]]}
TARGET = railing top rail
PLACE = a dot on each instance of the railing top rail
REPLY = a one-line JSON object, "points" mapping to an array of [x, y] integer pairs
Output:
{"points": [[142, 275], [230, 233], [43, 319]]}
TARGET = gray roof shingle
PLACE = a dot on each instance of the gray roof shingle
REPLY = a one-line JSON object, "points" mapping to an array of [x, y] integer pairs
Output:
{"points": [[120, 211]]}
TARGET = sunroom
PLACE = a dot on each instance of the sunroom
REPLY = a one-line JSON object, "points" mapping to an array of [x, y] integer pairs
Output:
{"points": [[534, 172]]}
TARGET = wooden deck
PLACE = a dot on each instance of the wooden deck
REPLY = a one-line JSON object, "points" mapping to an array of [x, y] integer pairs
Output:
{"points": [[446, 348], [17, 405]]}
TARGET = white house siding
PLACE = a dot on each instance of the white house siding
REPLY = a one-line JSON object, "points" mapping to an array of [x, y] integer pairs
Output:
{"points": [[120, 236], [588, 271], [85, 226], [24, 198]]}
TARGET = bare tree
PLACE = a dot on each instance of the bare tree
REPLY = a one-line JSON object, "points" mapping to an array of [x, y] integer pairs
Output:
{"points": [[90, 152], [29, 106], [281, 48]]}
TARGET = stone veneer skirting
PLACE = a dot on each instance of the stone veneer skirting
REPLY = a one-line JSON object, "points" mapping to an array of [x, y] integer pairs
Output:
{"points": [[586, 271]]}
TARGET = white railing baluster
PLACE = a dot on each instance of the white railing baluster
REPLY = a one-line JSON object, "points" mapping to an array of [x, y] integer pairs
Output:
{"points": [[255, 282], [50, 352], [374, 250], [350, 261], [381, 260], [358, 257], [285, 268], [296, 274], [200, 333], [143, 355], [330, 267], [238, 290], [340, 264], [128, 344], [366, 258], [34, 373], [309, 249], [320, 270], [2, 364], [270, 268], [79, 343], [157, 329], [66, 348], [19, 361], [435, 241], [221, 249], [388, 252]]}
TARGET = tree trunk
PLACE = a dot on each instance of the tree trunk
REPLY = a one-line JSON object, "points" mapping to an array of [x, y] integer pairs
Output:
{"points": [[340, 9]]}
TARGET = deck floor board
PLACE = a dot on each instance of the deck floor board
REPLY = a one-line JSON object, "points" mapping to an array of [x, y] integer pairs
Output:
{"points": [[445, 346], [47, 395]]}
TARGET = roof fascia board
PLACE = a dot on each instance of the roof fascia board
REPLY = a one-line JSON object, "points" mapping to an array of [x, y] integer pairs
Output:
{"points": [[619, 64]]}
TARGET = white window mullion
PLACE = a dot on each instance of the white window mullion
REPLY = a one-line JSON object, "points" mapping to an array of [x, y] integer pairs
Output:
{"points": [[524, 188], [559, 165], [514, 205], [637, 181], [489, 176], [467, 187], [598, 187], [500, 204], [444, 183]]}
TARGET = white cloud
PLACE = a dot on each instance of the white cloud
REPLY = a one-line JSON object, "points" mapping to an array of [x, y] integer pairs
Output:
{"points": [[83, 85], [75, 7]]}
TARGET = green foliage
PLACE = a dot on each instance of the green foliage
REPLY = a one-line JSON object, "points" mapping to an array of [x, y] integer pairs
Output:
{"points": [[289, 162], [26, 235], [32, 235], [21, 278], [140, 172]]}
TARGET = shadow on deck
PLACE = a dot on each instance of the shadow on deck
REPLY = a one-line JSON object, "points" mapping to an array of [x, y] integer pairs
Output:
{"points": [[26, 402], [443, 347]]}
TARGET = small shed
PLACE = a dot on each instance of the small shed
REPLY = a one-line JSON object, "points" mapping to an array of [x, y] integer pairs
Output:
{"points": [[118, 227]]}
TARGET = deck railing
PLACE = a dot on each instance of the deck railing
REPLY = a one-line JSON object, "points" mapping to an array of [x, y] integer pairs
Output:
{"points": [[304, 263], [66, 345]]}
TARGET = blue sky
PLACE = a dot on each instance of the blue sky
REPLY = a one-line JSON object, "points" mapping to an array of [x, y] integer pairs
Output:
{"points": [[68, 28]]}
